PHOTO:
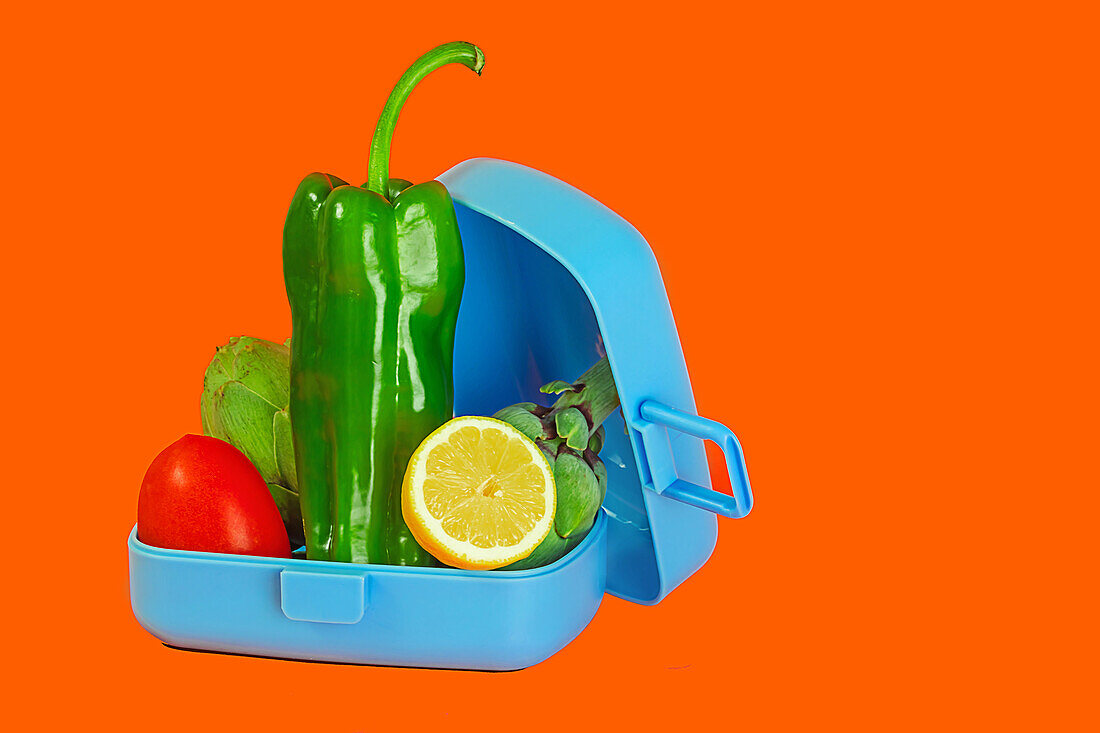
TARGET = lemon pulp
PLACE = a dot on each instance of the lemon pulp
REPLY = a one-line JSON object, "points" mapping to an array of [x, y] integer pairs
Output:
{"points": [[483, 487]]}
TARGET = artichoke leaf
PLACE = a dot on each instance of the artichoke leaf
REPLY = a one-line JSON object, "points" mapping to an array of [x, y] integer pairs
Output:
{"points": [[284, 449], [211, 422], [572, 425], [578, 495], [522, 420], [557, 387], [600, 471], [549, 550], [263, 366], [248, 426], [291, 511], [595, 442], [260, 364]]}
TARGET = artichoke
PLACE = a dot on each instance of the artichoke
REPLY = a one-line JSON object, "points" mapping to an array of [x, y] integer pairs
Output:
{"points": [[245, 401], [570, 434]]}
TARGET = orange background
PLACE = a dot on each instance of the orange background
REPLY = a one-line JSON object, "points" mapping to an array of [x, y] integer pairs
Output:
{"points": [[877, 228]]}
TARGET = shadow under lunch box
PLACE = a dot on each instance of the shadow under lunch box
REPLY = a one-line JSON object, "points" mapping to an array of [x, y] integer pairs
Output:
{"points": [[554, 280]]}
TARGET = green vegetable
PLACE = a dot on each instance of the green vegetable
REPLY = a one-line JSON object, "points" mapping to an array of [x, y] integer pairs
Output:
{"points": [[374, 277], [244, 402], [571, 435]]}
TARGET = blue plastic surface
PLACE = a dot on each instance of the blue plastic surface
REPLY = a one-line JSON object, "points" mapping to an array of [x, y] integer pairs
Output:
{"points": [[367, 614], [554, 280]]}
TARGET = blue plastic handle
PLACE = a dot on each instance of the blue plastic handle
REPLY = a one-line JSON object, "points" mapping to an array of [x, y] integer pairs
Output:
{"points": [[656, 420]]}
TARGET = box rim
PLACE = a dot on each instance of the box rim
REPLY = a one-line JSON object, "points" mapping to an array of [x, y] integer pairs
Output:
{"points": [[598, 528]]}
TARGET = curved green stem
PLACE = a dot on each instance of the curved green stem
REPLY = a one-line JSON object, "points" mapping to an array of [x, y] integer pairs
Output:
{"points": [[458, 52], [598, 397]]}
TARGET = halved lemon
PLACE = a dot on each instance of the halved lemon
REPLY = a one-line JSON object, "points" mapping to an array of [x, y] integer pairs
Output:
{"points": [[478, 494]]}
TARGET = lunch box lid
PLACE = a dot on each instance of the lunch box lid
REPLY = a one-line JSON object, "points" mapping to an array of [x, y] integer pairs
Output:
{"points": [[594, 287]]}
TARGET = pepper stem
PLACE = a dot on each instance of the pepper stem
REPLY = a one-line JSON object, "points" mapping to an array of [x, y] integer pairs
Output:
{"points": [[458, 52]]}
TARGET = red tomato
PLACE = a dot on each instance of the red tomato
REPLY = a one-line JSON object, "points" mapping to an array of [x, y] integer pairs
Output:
{"points": [[201, 493]]}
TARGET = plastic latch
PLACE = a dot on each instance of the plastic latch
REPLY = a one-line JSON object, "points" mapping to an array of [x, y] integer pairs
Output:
{"points": [[331, 598], [656, 419]]}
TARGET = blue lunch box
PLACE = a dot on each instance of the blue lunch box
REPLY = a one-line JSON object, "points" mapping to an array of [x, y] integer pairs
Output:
{"points": [[554, 280]]}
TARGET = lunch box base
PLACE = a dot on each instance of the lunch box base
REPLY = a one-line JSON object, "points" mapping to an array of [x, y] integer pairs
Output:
{"points": [[367, 614]]}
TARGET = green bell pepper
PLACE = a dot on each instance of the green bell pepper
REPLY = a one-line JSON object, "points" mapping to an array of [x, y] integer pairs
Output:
{"points": [[374, 277]]}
